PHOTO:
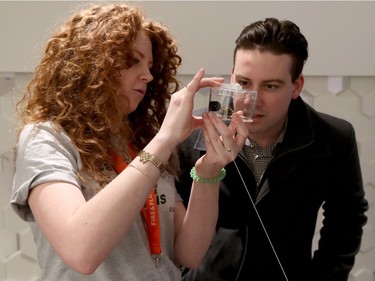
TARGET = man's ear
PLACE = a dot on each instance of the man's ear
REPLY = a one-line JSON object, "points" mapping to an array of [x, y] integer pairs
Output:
{"points": [[298, 86]]}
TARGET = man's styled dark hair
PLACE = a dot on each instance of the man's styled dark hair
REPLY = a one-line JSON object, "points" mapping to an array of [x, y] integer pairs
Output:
{"points": [[278, 37]]}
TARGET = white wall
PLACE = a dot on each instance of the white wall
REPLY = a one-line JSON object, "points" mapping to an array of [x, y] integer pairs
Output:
{"points": [[341, 33], [340, 80]]}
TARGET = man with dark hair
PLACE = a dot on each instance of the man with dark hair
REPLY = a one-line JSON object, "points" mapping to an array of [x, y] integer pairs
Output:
{"points": [[295, 161]]}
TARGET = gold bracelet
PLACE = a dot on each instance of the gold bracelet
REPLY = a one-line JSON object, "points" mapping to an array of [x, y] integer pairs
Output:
{"points": [[143, 172], [147, 157]]}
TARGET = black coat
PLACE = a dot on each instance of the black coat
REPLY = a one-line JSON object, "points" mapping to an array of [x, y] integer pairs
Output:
{"points": [[316, 165]]}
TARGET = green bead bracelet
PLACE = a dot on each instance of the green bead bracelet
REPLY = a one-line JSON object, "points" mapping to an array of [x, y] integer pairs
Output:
{"points": [[195, 177]]}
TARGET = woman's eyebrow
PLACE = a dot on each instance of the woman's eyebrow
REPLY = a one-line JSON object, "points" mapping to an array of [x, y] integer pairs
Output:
{"points": [[151, 62]]}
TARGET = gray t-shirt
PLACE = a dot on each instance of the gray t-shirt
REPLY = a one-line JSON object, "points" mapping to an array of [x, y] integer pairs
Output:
{"points": [[45, 155]]}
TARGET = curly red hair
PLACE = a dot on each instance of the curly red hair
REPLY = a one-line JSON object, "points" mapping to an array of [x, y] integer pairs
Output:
{"points": [[76, 84]]}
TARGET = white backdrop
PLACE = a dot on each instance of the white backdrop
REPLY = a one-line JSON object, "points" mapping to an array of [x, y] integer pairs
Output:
{"points": [[341, 34], [340, 80]]}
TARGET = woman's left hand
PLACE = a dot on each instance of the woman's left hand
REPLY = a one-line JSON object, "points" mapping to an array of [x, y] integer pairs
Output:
{"points": [[223, 143]]}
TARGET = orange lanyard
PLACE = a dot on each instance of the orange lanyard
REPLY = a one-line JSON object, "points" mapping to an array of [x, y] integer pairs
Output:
{"points": [[149, 211]]}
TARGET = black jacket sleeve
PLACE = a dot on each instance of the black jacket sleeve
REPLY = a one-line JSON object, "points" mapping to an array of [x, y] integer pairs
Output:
{"points": [[344, 207]]}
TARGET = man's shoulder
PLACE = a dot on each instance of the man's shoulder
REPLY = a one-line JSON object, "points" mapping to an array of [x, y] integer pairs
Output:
{"points": [[325, 121], [337, 132], [334, 124]]}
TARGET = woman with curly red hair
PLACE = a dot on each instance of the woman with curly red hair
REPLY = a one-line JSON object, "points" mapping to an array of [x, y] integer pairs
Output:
{"points": [[95, 163]]}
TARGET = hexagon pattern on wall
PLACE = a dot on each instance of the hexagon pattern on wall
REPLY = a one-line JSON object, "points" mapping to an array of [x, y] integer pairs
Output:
{"points": [[351, 98]]}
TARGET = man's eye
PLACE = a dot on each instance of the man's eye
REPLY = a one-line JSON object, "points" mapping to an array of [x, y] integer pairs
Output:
{"points": [[271, 87], [243, 83]]}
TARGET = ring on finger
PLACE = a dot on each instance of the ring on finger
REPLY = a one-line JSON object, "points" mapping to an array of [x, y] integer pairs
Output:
{"points": [[228, 149]]}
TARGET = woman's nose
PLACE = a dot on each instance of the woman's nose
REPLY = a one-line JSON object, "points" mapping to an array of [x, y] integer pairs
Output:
{"points": [[146, 75]]}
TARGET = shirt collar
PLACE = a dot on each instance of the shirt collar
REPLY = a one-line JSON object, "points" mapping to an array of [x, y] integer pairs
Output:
{"points": [[271, 147]]}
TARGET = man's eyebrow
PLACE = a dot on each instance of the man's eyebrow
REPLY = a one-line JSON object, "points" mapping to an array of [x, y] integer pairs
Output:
{"points": [[237, 76], [279, 81]]}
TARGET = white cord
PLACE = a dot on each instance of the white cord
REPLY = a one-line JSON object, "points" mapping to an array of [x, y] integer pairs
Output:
{"points": [[260, 219], [261, 222]]}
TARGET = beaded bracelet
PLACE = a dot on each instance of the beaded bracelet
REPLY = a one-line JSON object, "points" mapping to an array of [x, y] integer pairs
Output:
{"points": [[195, 177]]}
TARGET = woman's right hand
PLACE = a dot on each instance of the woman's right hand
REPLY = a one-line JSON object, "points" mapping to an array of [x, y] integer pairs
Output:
{"points": [[179, 121]]}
